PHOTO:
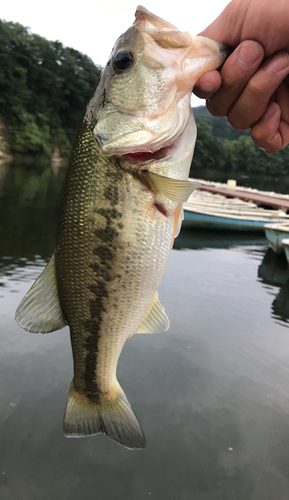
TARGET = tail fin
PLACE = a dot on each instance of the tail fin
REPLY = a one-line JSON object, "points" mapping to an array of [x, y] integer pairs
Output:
{"points": [[114, 418]]}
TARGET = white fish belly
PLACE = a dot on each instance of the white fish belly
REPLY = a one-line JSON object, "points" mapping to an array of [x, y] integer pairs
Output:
{"points": [[139, 268]]}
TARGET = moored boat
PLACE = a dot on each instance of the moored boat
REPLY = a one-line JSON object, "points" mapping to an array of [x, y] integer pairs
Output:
{"points": [[275, 234], [215, 211]]}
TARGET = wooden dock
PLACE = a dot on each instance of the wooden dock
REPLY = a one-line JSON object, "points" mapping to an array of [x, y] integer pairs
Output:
{"points": [[265, 200]]}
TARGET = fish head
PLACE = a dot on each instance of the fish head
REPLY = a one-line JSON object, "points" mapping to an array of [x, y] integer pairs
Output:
{"points": [[142, 102]]}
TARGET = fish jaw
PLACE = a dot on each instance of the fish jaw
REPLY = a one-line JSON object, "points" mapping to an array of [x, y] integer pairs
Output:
{"points": [[173, 161], [147, 107], [144, 134]]}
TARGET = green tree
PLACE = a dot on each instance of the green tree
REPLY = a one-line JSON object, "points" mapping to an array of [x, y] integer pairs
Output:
{"points": [[216, 149], [44, 88], [209, 150]]}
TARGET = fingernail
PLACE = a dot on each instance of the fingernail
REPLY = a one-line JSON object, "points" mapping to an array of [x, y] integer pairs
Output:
{"points": [[278, 62], [208, 87], [270, 111], [249, 52], [266, 152]]}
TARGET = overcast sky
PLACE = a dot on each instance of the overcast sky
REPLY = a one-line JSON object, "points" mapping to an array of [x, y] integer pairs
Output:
{"points": [[92, 27]]}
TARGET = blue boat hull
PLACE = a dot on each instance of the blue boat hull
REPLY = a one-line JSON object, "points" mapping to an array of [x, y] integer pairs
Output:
{"points": [[204, 221]]}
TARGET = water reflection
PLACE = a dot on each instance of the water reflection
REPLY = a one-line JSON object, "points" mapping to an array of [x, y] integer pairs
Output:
{"points": [[190, 238], [211, 393], [273, 269], [29, 208], [280, 305], [273, 272], [4, 168]]}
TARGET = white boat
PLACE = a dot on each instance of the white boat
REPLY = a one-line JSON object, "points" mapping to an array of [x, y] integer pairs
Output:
{"points": [[207, 210], [275, 234]]}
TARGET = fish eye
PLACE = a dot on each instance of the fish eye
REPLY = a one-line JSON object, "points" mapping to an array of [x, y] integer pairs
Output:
{"points": [[123, 60]]}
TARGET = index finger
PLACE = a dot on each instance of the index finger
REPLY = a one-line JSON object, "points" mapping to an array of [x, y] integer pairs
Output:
{"points": [[254, 100], [236, 72]]}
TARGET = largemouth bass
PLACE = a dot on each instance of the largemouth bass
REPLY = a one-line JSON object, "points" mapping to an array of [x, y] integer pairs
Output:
{"points": [[121, 207]]}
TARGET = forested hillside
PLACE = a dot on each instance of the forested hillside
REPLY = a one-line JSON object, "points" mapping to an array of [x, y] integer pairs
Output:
{"points": [[220, 126], [44, 88], [220, 147]]}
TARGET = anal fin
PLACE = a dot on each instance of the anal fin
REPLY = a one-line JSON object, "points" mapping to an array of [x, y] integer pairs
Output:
{"points": [[155, 319], [40, 311]]}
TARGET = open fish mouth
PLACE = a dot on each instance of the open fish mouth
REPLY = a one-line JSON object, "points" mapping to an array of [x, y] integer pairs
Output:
{"points": [[144, 156]]}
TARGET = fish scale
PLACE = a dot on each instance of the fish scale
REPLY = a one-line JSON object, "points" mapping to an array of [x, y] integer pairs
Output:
{"points": [[77, 262], [102, 320], [121, 207]]}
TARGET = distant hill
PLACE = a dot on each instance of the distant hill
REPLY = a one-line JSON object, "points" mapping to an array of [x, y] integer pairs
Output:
{"points": [[220, 147], [220, 126]]}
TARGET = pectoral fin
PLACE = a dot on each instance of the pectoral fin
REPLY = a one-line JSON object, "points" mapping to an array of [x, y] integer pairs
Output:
{"points": [[155, 319], [40, 311], [174, 189]]}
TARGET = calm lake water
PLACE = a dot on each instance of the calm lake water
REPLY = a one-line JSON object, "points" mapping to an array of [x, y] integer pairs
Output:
{"points": [[212, 393]]}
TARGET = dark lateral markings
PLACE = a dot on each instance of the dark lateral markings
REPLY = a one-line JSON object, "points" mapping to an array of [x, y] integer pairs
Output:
{"points": [[107, 243]]}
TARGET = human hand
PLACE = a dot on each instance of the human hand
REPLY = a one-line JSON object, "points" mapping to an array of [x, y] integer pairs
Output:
{"points": [[253, 94]]}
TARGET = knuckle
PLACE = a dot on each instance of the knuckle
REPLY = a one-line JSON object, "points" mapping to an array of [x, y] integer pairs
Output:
{"points": [[259, 131], [259, 137], [232, 84], [236, 120], [265, 142], [215, 108], [254, 88]]}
